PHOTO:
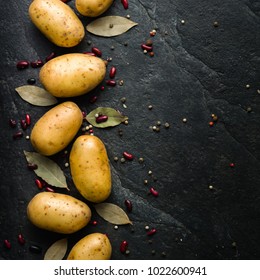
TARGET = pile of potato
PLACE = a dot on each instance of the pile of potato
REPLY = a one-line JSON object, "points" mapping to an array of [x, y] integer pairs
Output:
{"points": [[67, 76]]}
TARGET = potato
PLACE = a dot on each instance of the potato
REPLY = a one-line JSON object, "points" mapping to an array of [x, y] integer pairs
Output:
{"points": [[92, 8], [90, 168], [57, 212], [95, 246], [72, 74], [57, 21], [56, 128]]}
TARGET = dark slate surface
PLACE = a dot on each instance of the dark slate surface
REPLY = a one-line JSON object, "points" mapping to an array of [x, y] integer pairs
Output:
{"points": [[198, 69]]}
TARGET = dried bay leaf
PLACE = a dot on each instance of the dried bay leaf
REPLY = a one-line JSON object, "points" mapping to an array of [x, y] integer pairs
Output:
{"points": [[57, 250], [110, 26], [112, 213], [114, 117], [36, 95], [47, 169]]}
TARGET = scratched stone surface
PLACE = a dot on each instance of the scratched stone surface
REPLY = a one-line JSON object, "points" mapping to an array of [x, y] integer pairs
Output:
{"points": [[206, 61]]}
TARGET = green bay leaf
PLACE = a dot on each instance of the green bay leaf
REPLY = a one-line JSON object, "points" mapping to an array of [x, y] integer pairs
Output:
{"points": [[47, 169], [114, 117], [57, 250], [110, 26], [36, 95], [112, 213]]}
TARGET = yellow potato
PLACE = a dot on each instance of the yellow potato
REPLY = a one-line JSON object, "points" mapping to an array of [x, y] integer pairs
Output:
{"points": [[58, 212], [57, 21], [95, 246], [90, 168], [92, 8], [56, 128], [72, 74]]}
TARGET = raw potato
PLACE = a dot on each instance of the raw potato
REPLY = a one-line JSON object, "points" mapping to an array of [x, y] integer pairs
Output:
{"points": [[57, 21], [56, 128], [72, 74], [92, 8], [90, 168], [58, 212], [95, 246]]}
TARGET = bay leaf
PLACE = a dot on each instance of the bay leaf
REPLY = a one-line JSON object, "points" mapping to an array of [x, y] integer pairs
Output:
{"points": [[112, 213], [47, 169], [114, 117], [36, 95], [57, 250], [110, 26]]}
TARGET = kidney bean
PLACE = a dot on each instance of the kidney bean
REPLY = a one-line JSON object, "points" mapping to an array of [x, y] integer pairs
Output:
{"points": [[125, 4], [37, 63], [128, 205], [18, 135], [102, 118], [12, 123], [146, 47], [50, 56], [96, 51], [123, 246], [112, 72], [111, 83], [128, 156]]}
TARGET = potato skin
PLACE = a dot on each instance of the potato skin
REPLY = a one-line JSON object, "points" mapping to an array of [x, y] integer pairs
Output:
{"points": [[92, 8], [57, 212], [90, 168], [56, 128], [72, 74], [57, 21], [95, 246]]}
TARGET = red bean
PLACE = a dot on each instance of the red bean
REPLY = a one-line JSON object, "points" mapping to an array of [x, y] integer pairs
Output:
{"points": [[146, 47], [102, 118], [37, 63], [12, 123], [112, 72], [151, 232], [84, 114], [28, 119], [18, 135], [154, 192], [123, 246], [7, 244], [125, 4], [111, 83], [50, 56], [39, 183], [128, 205], [90, 53], [94, 223], [21, 239], [22, 64], [96, 51], [128, 156], [49, 189], [23, 124], [93, 99]]}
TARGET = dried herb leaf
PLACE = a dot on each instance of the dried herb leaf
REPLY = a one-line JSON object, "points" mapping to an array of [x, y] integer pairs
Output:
{"points": [[47, 169], [112, 213], [57, 250], [36, 95], [114, 117], [109, 26]]}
